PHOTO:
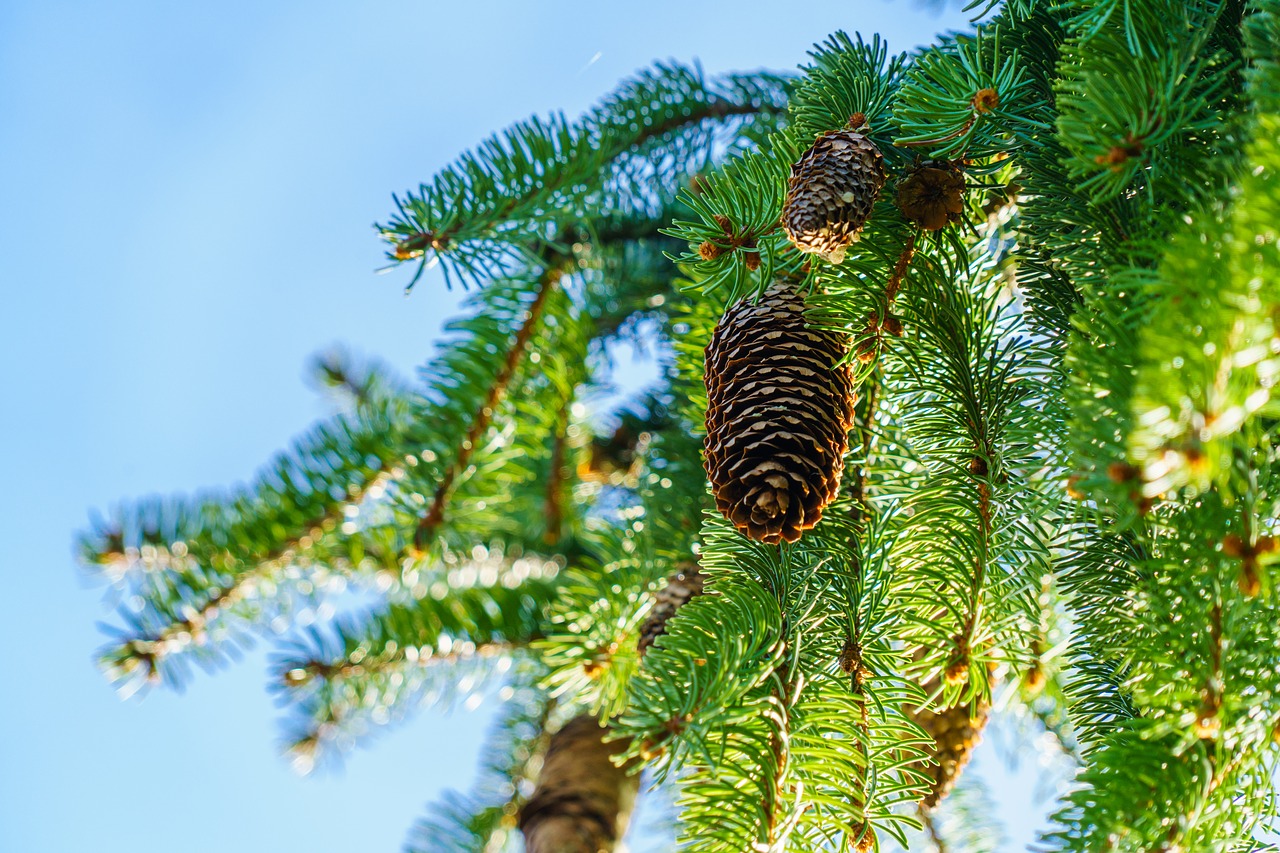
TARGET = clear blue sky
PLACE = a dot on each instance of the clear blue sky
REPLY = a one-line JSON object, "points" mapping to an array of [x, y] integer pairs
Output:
{"points": [[187, 192]]}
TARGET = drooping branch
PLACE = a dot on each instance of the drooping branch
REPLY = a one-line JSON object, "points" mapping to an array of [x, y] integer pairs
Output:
{"points": [[374, 668]]}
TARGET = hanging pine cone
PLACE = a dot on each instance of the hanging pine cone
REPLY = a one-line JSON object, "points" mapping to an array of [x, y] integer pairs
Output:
{"points": [[932, 196], [778, 416], [831, 191], [955, 731]]}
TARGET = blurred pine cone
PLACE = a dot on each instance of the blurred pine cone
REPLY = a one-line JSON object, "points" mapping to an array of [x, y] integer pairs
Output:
{"points": [[832, 189], [956, 732]]}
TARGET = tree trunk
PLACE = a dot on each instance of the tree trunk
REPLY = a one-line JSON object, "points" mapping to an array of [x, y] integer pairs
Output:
{"points": [[582, 802]]}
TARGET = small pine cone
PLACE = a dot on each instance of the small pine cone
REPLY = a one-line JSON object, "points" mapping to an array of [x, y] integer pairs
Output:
{"points": [[955, 731], [681, 587], [831, 191], [932, 196], [778, 416]]}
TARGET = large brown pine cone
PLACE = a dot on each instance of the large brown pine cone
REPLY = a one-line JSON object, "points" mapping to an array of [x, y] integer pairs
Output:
{"points": [[832, 189], [778, 415]]}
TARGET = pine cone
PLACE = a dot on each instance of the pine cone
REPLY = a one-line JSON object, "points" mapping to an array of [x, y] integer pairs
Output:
{"points": [[778, 416], [932, 196], [832, 189], [583, 800], [955, 731], [681, 587]]}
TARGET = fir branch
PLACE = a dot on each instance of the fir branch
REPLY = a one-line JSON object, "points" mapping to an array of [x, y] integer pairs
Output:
{"points": [[479, 214], [969, 97], [481, 419], [370, 669], [591, 642], [172, 626], [847, 76]]}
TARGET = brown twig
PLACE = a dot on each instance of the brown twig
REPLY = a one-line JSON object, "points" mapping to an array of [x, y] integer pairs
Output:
{"points": [[308, 671], [553, 504], [873, 335]]}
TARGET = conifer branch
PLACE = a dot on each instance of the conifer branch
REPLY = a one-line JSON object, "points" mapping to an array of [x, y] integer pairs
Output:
{"points": [[482, 417], [368, 670], [143, 655], [415, 244], [799, 699]]}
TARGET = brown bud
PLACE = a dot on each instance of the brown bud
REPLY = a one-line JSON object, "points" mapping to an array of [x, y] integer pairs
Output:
{"points": [[1233, 546], [985, 100], [932, 195], [751, 260], [893, 325], [1033, 680], [1123, 472], [850, 657], [1072, 491], [957, 671], [709, 251]]}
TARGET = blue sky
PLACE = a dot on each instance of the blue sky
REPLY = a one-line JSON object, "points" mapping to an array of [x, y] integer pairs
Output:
{"points": [[188, 191]]}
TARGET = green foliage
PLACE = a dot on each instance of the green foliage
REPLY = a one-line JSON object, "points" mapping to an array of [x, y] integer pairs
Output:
{"points": [[1060, 494], [371, 670], [847, 76], [1145, 98], [966, 97], [1198, 388]]}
